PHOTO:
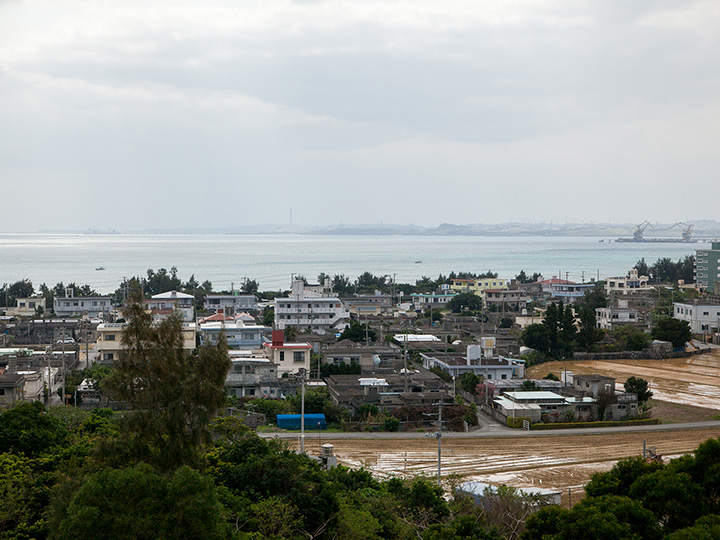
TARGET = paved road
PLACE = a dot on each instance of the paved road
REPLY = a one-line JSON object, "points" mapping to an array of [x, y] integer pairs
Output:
{"points": [[505, 433]]}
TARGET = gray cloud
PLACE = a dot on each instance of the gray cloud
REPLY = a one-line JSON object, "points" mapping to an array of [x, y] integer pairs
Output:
{"points": [[357, 112]]}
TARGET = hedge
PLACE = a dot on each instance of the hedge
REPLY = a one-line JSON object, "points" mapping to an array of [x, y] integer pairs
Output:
{"points": [[577, 425]]}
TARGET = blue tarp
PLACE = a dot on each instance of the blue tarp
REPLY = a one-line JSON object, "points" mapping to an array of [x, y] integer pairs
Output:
{"points": [[292, 421]]}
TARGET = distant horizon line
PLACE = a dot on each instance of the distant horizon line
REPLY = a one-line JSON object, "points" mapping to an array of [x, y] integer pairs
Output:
{"points": [[510, 228]]}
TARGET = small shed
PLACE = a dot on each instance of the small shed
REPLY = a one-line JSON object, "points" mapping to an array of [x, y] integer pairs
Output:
{"points": [[292, 421]]}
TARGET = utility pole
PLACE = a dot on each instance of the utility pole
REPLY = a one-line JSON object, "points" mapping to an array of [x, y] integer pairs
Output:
{"points": [[438, 435], [62, 335], [302, 415]]}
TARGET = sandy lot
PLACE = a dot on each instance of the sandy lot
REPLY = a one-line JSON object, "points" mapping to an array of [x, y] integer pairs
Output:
{"points": [[560, 462]]}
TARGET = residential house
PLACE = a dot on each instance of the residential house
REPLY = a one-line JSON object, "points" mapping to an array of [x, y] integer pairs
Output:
{"points": [[391, 391], [374, 358], [252, 375], [434, 300], [707, 267], [90, 306], [507, 299], [110, 336], [477, 285], [478, 359], [309, 310], [609, 318], [238, 333], [164, 304], [702, 317], [368, 304], [534, 405], [27, 307], [563, 290], [633, 283], [288, 356]]}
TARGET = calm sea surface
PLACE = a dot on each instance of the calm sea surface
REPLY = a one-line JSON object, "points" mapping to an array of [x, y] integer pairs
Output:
{"points": [[269, 259]]}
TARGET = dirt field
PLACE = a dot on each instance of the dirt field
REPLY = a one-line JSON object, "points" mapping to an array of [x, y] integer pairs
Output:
{"points": [[557, 462]]}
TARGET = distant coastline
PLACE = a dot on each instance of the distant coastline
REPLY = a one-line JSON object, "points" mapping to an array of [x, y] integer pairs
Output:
{"points": [[703, 230]]}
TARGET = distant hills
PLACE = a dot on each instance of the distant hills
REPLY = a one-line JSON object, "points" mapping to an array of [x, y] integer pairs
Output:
{"points": [[703, 230]]}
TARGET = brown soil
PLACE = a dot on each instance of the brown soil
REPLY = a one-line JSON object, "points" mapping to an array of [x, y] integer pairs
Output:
{"points": [[557, 462]]}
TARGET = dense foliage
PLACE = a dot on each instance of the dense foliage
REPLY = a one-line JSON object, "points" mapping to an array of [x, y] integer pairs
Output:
{"points": [[643, 500]]}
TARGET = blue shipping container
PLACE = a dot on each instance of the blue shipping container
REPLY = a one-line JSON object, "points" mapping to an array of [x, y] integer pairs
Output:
{"points": [[292, 421]]}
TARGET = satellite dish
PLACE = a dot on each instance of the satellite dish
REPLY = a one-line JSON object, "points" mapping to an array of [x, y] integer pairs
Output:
{"points": [[376, 360]]}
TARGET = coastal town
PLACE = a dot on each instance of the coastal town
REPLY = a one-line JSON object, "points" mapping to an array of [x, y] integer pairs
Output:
{"points": [[377, 346], [362, 377]]}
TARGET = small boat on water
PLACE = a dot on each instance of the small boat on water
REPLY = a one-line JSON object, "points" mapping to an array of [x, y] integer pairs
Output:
{"points": [[418, 262], [100, 268]]}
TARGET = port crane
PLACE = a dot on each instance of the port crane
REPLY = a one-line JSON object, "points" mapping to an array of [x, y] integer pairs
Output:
{"points": [[687, 230], [639, 230]]}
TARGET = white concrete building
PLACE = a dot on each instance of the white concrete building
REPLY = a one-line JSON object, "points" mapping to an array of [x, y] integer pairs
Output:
{"points": [[608, 318], [703, 318], [230, 304], [289, 357], [479, 359], [26, 307], [307, 310], [239, 334], [164, 304], [74, 306], [628, 284]]}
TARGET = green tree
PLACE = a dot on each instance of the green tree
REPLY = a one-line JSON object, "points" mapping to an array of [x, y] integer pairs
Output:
{"points": [[588, 334], [161, 281], [138, 503], [673, 330], [631, 338], [638, 386], [27, 429], [468, 382], [358, 332], [461, 301], [173, 394], [20, 289]]}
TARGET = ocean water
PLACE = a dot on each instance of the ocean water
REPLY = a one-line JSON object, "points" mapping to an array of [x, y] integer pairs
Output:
{"points": [[272, 259]]}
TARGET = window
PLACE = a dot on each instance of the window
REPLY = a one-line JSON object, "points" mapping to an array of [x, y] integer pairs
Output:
{"points": [[109, 337], [299, 356], [31, 305], [249, 391], [249, 370], [2, 391], [503, 376], [622, 407], [282, 356], [108, 356], [22, 304]]}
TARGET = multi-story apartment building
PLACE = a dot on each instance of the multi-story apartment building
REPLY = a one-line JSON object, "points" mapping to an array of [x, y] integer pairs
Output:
{"points": [[230, 304], [307, 310], [73, 306], [477, 285], [707, 267]]}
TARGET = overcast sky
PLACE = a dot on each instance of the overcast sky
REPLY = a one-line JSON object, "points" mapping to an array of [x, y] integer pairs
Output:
{"points": [[140, 114]]}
